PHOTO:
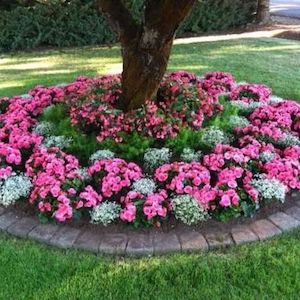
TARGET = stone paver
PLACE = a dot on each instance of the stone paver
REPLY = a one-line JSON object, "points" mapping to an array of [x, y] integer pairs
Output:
{"points": [[140, 244], [284, 221], [294, 212], [113, 243], [65, 237], [2, 210], [23, 226], [165, 243], [242, 234], [43, 233], [192, 240], [218, 240], [7, 219], [88, 241], [264, 229]]}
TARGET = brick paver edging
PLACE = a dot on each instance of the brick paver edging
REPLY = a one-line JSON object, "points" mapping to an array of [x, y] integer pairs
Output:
{"points": [[136, 244]]}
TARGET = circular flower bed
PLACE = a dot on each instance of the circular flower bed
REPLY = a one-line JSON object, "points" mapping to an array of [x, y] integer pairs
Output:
{"points": [[204, 148]]}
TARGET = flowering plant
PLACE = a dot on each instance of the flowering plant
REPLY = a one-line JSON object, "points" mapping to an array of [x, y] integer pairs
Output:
{"points": [[204, 147]]}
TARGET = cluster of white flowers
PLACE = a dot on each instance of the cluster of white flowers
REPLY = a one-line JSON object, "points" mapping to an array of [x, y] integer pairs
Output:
{"points": [[238, 122], [213, 136], [59, 141], [288, 140], [49, 108], [187, 210], [83, 172], [267, 156], [44, 128], [101, 154], [155, 157], [269, 189], [144, 186], [26, 97], [13, 188], [275, 99], [61, 85], [105, 213], [189, 155], [246, 108]]}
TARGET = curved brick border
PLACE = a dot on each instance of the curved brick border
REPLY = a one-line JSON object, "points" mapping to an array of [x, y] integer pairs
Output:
{"points": [[64, 236]]}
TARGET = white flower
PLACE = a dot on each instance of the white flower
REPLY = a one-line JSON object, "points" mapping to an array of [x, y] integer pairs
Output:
{"points": [[44, 128], [188, 210], [246, 108], [13, 188], [269, 189], [155, 157], [267, 156], [101, 154], [213, 136], [189, 155], [61, 85], [275, 99], [238, 122], [26, 97], [84, 174], [288, 140], [144, 186], [59, 141], [105, 213]]}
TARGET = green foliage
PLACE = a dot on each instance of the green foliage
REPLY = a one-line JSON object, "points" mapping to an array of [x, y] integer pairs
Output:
{"points": [[65, 23], [220, 120], [209, 15], [185, 138], [83, 146], [53, 25], [132, 148]]}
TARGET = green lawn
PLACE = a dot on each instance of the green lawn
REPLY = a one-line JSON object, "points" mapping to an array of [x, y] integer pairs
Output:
{"points": [[269, 270], [275, 62]]}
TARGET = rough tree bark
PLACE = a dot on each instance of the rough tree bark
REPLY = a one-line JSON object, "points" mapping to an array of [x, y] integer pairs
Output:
{"points": [[146, 47], [263, 11]]}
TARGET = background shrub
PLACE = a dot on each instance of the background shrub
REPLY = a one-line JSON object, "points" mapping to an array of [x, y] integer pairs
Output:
{"points": [[62, 23]]}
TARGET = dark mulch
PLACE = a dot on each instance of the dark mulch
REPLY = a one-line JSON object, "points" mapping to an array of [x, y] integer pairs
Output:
{"points": [[290, 35], [23, 208]]}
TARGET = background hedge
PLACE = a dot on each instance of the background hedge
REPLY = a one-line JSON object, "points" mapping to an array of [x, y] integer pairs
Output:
{"points": [[63, 23]]}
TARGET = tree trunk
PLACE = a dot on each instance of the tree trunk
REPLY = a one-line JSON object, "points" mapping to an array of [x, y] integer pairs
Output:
{"points": [[143, 70], [146, 47], [263, 11]]}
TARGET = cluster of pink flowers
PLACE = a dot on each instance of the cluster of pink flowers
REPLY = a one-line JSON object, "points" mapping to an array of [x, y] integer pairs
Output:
{"points": [[216, 83], [186, 178], [52, 172], [154, 206], [285, 170], [251, 93], [181, 102], [114, 175], [274, 121]]}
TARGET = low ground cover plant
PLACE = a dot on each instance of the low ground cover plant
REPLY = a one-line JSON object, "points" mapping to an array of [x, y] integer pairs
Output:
{"points": [[205, 147]]}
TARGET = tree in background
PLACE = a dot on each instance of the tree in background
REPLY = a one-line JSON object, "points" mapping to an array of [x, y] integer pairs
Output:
{"points": [[146, 45], [263, 11]]}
